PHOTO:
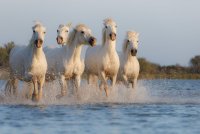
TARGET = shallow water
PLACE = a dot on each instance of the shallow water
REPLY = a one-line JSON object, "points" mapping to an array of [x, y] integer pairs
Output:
{"points": [[157, 106]]}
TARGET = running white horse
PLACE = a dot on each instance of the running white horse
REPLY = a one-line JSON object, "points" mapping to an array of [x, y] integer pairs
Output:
{"points": [[129, 65], [52, 51], [28, 63], [103, 60], [69, 64]]}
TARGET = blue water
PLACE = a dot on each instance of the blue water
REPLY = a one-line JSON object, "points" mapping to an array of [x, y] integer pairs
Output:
{"points": [[158, 106]]}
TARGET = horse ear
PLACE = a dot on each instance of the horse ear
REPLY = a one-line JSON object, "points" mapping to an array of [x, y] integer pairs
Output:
{"points": [[69, 24], [71, 36], [103, 37]]}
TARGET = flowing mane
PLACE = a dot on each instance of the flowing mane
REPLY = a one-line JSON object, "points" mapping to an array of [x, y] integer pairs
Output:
{"points": [[74, 31], [108, 21], [103, 36], [71, 36]]}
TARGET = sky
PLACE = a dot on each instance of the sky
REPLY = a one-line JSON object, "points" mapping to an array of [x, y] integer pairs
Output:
{"points": [[169, 29]]}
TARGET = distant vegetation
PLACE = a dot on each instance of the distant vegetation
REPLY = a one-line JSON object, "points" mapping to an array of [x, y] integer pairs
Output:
{"points": [[4, 53], [148, 70], [155, 71]]}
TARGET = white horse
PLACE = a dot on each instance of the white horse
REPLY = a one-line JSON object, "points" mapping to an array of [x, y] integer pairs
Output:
{"points": [[28, 63], [52, 53], [68, 58], [129, 65], [103, 61]]}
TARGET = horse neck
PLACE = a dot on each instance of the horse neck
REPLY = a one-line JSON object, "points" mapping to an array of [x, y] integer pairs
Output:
{"points": [[35, 52], [75, 50], [110, 46]]}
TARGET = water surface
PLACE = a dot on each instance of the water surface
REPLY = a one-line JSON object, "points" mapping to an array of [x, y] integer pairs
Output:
{"points": [[158, 106]]}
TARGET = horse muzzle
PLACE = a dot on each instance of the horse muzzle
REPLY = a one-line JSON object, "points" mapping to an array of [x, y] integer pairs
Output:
{"points": [[133, 52], [92, 41], [113, 36], [38, 43], [59, 40]]}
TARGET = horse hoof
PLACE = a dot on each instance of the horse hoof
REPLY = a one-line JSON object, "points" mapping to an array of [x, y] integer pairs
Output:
{"points": [[59, 96], [27, 96], [35, 98]]}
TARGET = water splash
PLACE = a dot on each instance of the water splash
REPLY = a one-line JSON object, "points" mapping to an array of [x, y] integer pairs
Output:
{"points": [[147, 92]]}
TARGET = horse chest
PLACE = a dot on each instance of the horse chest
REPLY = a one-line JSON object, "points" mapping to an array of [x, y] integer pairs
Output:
{"points": [[38, 66], [129, 69], [71, 69]]}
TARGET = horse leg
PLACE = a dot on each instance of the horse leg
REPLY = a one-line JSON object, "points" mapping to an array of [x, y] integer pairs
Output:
{"points": [[113, 81], [15, 84], [101, 86], [134, 83], [103, 80], [8, 88], [63, 85], [77, 84], [35, 96], [95, 80], [114, 78], [89, 78], [125, 79], [30, 92], [40, 87]]}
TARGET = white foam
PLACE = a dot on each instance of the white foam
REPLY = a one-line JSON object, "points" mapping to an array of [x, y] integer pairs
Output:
{"points": [[143, 94]]}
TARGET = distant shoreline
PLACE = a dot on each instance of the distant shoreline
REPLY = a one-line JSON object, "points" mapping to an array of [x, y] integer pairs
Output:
{"points": [[181, 76], [4, 75]]}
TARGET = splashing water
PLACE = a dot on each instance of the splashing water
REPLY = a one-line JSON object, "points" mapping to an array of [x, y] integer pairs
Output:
{"points": [[147, 91]]}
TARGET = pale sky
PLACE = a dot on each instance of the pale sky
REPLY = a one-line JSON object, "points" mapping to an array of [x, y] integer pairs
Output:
{"points": [[169, 29]]}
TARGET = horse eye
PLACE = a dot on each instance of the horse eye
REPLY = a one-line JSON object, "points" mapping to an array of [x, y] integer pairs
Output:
{"points": [[66, 31], [34, 31], [106, 26], [82, 32], [128, 41], [57, 31], [137, 41]]}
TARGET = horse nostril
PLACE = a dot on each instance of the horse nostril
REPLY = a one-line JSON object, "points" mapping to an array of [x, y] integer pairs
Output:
{"points": [[61, 38], [132, 51], [92, 41], [112, 36], [40, 41]]}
